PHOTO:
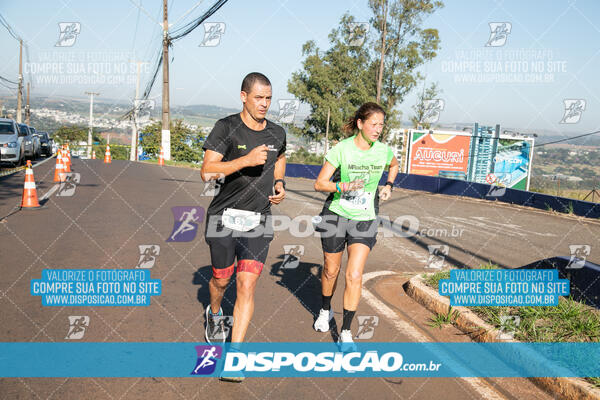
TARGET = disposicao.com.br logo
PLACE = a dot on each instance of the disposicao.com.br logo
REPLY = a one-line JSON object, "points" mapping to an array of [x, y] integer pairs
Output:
{"points": [[293, 359]]}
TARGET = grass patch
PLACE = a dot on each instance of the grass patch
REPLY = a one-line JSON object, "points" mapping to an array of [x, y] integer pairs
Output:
{"points": [[173, 163], [444, 319], [433, 280], [569, 321]]}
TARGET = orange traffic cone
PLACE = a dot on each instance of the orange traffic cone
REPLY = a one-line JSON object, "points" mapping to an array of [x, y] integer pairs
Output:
{"points": [[161, 157], [30, 199], [67, 159], [93, 154], [59, 171], [107, 158]]}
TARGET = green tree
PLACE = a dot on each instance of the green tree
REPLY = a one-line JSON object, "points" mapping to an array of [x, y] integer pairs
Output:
{"points": [[401, 46], [73, 134], [420, 108], [336, 80], [185, 144], [384, 67]]}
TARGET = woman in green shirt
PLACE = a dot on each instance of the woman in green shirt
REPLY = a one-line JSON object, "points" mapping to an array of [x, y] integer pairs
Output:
{"points": [[349, 216]]}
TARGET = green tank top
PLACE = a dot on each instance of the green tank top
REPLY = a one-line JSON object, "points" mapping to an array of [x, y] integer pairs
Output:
{"points": [[353, 164]]}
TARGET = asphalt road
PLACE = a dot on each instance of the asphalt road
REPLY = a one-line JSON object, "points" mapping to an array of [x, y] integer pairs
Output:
{"points": [[118, 207]]}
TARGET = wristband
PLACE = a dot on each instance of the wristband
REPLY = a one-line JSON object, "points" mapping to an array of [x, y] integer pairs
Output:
{"points": [[279, 180], [390, 184], [337, 187]]}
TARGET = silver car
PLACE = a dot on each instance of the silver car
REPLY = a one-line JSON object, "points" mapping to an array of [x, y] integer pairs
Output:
{"points": [[12, 143], [37, 144], [28, 140]]}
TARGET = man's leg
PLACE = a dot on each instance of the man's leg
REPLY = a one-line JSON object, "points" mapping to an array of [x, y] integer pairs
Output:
{"points": [[216, 288], [244, 304]]}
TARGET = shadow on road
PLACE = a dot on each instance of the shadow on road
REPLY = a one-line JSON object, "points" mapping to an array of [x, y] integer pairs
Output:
{"points": [[302, 280]]}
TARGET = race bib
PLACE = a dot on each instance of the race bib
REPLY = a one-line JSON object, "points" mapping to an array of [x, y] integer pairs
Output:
{"points": [[240, 220], [354, 200]]}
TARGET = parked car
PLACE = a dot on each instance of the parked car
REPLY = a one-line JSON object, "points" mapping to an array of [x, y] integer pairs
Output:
{"points": [[45, 143], [28, 140], [12, 143], [37, 144]]}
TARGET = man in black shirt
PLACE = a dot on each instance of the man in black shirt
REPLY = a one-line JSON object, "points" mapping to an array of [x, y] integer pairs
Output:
{"points": [[249, 153]]}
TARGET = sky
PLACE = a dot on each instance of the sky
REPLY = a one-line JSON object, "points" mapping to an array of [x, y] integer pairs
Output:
{"points": [[548, 57]]}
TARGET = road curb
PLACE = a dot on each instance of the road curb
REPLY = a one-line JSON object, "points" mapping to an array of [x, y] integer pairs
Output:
{"points": [[481, 331]]}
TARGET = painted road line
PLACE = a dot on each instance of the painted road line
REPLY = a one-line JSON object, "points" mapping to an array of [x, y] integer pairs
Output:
{"points": [[50, 192], [477, 384]]}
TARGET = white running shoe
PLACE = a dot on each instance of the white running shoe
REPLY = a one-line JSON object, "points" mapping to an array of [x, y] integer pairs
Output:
{"points": [[345, 341], [322, 322]]}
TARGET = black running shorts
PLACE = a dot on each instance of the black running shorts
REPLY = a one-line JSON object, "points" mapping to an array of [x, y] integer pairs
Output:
{"points": [[337, 232], [250, 248]]}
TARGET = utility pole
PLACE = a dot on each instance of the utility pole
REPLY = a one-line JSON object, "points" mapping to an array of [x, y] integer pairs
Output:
{"points": [[134, 134], [20, 91], [166, 132], [27, 109], [384, 4], [89, 141]]}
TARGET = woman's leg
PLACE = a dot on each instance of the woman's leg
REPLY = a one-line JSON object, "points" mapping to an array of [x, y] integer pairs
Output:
{"points": [[331, 270], [357, 257]]}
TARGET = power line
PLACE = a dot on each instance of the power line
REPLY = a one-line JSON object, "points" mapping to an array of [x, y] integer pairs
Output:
{"points": [[10, 30], [189, 27], [177, 34], [8, 80], [570, 138]]}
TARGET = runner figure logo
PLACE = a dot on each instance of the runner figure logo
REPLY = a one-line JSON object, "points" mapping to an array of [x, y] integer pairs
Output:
{"points": [[508, 326], [499, 32], [433, 109], [579, 253], [77, 326], [366, 326], [144, 110], [573, 110], [437, 255], [212, 186], [287, 110], [186, 223], [356, 198], [67, 188], [212, 34], [358, 33], [148, 254], [291, 257], [221, 328], [207, 359], [68, 33]]}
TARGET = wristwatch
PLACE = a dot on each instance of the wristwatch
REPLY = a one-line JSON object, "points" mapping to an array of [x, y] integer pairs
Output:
{"points": [[279, 180], [390, 184]]}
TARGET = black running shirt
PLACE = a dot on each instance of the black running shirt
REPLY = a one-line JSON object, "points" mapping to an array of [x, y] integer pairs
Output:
{"points": [[249, 188]]}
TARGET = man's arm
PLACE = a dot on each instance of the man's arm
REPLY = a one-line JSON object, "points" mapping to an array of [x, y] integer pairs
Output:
{"points": [[214, 168], [278, 173]]}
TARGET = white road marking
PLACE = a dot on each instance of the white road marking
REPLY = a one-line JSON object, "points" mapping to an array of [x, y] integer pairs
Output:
{"points": [[478, 385], [50, 191]]}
